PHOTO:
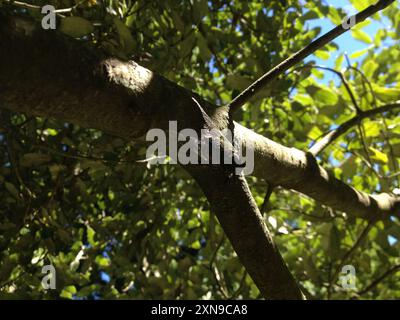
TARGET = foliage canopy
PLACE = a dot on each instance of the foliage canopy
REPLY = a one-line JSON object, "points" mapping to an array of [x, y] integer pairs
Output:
{"points": [[117, 228]]}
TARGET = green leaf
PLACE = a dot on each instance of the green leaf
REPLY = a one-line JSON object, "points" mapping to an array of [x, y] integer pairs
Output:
{"points": [[76, 27], [349, 167], [68, 292], [238, 82], [187, 45], [193, 223], [358, 54], [50, 132], [380, 35], [315, 133], [205, 52], [178, 22], [303, 99], [34, 159], [339, 62], [378, 155], [196, 245], [334, 15], [361, 36], [369, 68], [322, 54], [372, 129], [200, 9], [311, 269], [309, 15], [361, 25], [361, 4], [102, 261], [330, 239], [12, 190], [125, 37], [387, 94], [326, 96], [90, 235]]}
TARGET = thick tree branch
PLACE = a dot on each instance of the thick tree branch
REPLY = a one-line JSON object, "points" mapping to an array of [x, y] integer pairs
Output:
{"points": [[230, 198], [300, 55], [295, 169], [126, 100]]}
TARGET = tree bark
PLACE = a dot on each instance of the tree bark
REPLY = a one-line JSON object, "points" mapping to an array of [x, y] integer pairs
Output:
{"points": [[45, 74]]}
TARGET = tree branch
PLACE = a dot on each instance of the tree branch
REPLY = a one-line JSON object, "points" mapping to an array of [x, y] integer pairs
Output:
{"points": [[343, 79], [267, 196], [351, 251], [231, 199], [254, 88], [343, 128], [127, 100], [24, 5], [377, 281]]}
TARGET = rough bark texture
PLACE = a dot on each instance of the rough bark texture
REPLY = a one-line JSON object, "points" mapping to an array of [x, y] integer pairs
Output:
{"points": [[230, 198], [298, 170], [45, 74]]}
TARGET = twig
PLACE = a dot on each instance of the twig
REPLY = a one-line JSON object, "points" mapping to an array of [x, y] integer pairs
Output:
{"points": [[343, 128], [374, 283], [254, 88], [7, 125], [32, 6], [343, 79], [355, 246], [242, 283], [374, 103], [363, 143], [268, 194], [374, 99], [214, 269], [211, 48]]}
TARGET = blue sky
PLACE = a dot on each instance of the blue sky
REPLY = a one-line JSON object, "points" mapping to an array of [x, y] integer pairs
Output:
{"points": [[346, 42]]}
